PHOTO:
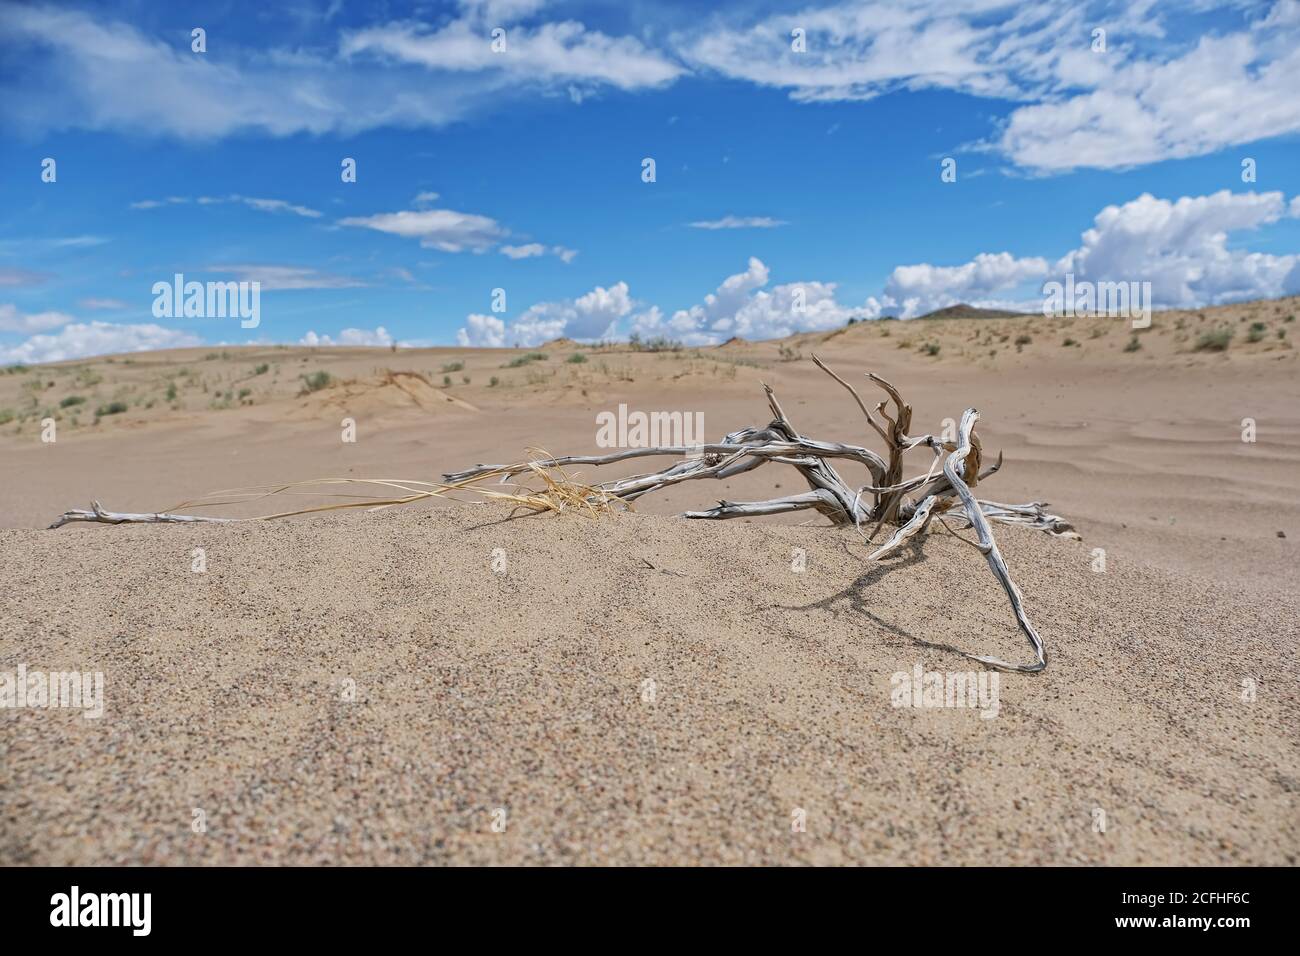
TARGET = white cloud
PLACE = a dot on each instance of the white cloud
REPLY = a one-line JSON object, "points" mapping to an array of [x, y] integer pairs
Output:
{"points": [[272, 277], [96, 338], [1180, 246], [95, 303], [378, 336], [264, 205], [99, 73], [528, 251], [482, 331], [1157, 92], [1225, 91], [739, 222], [923, 287], [742, 306], [588, 317], [442, 229], [11, 320], [564, 53], [532, 250]]}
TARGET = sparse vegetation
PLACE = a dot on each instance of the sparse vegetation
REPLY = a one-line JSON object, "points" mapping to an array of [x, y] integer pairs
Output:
{"points": [[1024, 338], [1068, 343], [72, 400], [1133, 344], [660, 343], [494, 382], [454, 367], [519, 361], [930, 348], [261, 369], [577, 358], [315, 381], [1215, 340], [112, 408], [1256, 333]]}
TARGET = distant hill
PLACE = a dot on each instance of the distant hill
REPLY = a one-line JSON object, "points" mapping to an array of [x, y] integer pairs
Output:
{"points": [[963, 311]]}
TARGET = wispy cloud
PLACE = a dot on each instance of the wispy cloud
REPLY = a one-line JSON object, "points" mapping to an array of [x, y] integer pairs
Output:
{"points": [[262, 205], [739, 222], [277, 277], [442, 229]]}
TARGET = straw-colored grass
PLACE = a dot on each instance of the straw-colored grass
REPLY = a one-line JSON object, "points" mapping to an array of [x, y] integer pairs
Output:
{"points": [[558, 492]]}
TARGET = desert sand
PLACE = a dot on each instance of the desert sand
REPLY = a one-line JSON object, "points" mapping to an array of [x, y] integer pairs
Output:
{"points": [[640, 688]]}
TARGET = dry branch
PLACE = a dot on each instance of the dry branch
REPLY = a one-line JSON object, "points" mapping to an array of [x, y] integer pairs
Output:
{"points": [[943, 491]]}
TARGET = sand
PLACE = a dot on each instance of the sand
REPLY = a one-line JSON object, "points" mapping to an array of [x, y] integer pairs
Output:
{"points": [[642, 689]]}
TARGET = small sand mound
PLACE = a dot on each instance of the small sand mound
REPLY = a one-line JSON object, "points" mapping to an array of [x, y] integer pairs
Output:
{"points": [[390, 392]]}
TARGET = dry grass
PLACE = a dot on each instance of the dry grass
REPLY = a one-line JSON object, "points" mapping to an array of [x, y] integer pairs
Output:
{"points": [[558, 491]]}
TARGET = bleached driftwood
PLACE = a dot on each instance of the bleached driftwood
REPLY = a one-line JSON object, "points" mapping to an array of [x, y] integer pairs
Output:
{"points": [[943, 492], [97, 513], [911, 504]]}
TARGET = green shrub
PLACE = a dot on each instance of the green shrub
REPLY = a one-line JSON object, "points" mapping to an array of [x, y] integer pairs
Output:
{"points": [[262, 369], [454, 367], [1023, 338], [112, 408], [577, 358], [1215, 340], [72, 400], [930, 348], [1256, 333], [494, 382], [315, 381], [522, 360], [1133, 344]]}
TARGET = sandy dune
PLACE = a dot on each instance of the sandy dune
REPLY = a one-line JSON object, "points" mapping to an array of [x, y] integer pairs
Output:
{"points": [[772, 688], [526, 691]]}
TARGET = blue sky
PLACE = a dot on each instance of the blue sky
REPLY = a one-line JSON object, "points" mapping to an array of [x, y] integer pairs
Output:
{"points": [[794, 188]]}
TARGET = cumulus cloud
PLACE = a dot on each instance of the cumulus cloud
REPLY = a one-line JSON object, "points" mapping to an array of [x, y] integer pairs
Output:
{"points": [[1180, 246], [482, 331], [378, 336], [924, 287], [96, 338], [588, 317], [741, 305], [739, 222]]}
